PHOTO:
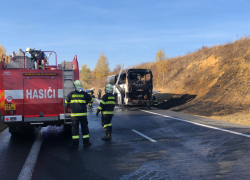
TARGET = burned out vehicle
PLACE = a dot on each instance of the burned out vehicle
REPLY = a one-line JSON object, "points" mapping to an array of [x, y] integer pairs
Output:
{"points": [[133, 87]]}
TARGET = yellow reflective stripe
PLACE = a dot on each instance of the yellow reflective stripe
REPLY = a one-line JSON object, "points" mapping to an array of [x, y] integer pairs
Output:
{"points": [[75, 137], [78, 114], [110, 102], [2, 104], [85, 136], [107, 125], [2, 100], [111, 97], [66, 101], [92, 99], [107, 112], [78, 101], [102, 102], [78, 95], [1, 94], [99, 107]]}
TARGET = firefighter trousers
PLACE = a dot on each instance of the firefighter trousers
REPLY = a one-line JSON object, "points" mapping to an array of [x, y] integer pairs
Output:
{"points": [[106, 123], [75, 130]]}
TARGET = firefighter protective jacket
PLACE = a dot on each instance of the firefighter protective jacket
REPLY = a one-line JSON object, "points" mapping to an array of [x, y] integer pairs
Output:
{"points": [[155, 102], [91, 93], [37, 55], [107, 104], [78, 101]]}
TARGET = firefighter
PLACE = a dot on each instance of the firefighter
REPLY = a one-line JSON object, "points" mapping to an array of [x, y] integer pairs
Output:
{"points": [[91, 93], [36, 55], [78, 100], [106, 107], [99, 94], [155, 102]]}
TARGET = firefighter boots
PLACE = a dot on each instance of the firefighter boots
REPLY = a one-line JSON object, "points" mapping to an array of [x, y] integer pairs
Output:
{"points": [[88, 144], [107, 136]]}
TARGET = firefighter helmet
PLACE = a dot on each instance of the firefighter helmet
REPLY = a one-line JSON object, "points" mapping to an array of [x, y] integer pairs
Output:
{"points": [[109, 88], [77, 84], [92, 89], [29, 49]]}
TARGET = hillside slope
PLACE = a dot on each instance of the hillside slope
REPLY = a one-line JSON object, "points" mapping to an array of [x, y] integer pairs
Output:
{"points": [[218, 77]]}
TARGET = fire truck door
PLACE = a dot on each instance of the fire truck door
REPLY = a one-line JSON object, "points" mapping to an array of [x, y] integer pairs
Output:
{"points": [[40, 97]]}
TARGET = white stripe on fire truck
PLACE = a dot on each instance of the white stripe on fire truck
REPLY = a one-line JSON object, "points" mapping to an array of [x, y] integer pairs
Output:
{"points": [[60, 93], [15, 94], [18, 94]]}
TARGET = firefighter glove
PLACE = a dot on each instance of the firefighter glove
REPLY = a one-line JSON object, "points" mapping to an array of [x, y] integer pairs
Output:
{"points": [[97, 112]]}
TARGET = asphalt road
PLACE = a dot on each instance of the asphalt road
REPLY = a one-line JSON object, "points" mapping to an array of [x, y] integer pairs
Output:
{"points": [[166, 145]]}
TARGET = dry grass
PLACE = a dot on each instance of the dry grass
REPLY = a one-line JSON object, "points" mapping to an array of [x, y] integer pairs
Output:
{"points": [[219, 76], [242, 117]]}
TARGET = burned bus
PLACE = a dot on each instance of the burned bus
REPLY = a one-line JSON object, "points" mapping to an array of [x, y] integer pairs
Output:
{"points": [[134, 87]]}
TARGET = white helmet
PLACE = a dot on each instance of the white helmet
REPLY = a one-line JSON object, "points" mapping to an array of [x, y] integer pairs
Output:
{"points": [[109, 88], [29, 49], [77, 84]]}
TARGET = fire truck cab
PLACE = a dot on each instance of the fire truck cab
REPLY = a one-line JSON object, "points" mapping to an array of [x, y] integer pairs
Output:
{"points": [[30, 96]]}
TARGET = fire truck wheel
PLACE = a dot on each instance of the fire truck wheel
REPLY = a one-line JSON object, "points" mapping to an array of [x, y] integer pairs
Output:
{"points": [[16, 133]]}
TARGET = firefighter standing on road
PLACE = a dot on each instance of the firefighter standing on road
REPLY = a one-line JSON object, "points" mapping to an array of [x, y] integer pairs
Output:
{"points": [[155, 102], [78, 100], [91, 93], [99, 94], [107, 106]]}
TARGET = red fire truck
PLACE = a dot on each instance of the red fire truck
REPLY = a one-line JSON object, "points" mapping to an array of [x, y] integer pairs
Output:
{"points": [[30, 96]]}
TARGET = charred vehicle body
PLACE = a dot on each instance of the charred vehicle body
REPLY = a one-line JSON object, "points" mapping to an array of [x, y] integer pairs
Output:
{"points": [[133, 87]]}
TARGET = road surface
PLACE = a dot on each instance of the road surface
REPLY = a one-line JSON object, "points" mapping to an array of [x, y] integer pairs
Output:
{"points": [[146, 144]]}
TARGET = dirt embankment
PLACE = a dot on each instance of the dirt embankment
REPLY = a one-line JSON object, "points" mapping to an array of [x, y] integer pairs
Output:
{"points": [[216, 85]]}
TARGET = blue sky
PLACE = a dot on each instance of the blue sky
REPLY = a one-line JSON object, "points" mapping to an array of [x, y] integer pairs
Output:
{"points": [[128, 32]]}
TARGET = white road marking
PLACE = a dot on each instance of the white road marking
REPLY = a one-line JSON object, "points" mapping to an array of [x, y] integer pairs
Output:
{"points": [[211, 127], [144, 136], [29, 165]]}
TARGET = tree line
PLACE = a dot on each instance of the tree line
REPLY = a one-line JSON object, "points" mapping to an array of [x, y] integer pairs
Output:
{"points": [[2, 51], [98, 77]]}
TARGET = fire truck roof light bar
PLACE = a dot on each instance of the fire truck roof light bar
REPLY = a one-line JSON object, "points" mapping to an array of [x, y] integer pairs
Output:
{"points": [[40, 74]]}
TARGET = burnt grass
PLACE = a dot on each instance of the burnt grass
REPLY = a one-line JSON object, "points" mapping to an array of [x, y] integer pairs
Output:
{"points": [[177, 100], [188, 104]]}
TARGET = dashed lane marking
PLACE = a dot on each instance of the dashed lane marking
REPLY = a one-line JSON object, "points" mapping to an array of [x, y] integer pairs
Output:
{"points": [[150, 139], [211, 127], [29, 165]]}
